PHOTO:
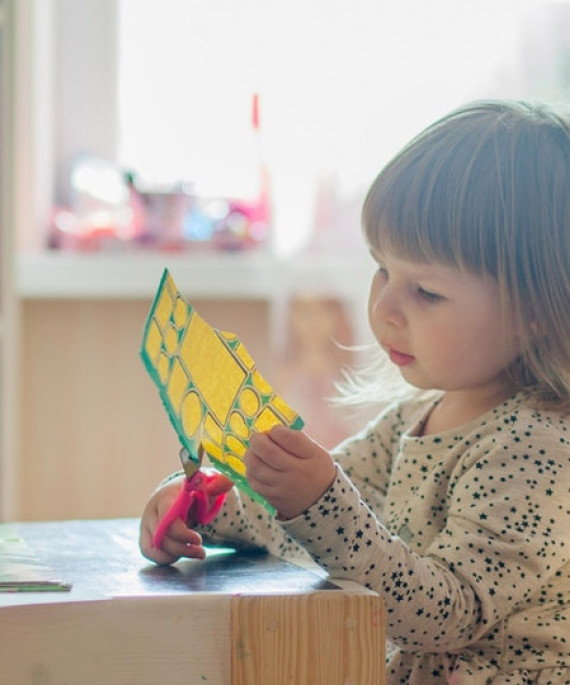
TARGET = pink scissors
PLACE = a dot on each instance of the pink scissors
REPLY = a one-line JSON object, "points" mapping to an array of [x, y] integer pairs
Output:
{"points": [[195, 499]]}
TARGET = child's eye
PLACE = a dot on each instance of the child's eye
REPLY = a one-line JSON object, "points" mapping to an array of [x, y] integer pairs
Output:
{"points": [[429, 296]]}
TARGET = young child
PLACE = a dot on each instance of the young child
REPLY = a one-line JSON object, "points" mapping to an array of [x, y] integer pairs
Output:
{"points": [[454, 504]]}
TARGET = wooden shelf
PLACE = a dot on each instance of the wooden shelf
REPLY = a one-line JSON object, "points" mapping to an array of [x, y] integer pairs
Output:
{"points": [[65, 275]]}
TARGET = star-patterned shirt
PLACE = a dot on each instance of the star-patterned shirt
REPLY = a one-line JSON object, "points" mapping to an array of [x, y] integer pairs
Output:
{"points": [[465, 535]]}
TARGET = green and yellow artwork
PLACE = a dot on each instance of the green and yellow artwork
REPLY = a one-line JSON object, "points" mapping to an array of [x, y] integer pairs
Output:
{"points": [[210, 386]]}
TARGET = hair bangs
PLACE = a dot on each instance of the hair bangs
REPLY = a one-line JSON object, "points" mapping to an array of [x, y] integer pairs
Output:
{"points": [[439, 200]]}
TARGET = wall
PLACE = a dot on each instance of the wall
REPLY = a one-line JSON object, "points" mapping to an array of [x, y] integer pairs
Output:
{"points": [[95, 438]]}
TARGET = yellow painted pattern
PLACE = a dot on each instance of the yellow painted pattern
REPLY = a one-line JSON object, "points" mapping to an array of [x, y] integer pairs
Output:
{"points": [[213, 392]]}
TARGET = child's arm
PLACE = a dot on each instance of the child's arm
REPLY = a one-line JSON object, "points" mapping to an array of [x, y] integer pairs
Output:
{"points": [[242, 522], [482, 561]]}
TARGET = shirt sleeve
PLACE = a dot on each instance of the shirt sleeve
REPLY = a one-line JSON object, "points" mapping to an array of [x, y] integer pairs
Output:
{"points": [[492, 554], [366, 458], [244, 522]]}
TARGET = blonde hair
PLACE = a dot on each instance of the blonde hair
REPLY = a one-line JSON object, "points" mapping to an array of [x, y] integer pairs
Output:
{"points": [[487, 188]]}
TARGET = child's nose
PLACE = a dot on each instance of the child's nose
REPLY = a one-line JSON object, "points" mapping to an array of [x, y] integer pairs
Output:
{"points": [[386, 307]]}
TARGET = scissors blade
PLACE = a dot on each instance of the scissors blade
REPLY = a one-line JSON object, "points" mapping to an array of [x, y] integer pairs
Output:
{"points": [[189, 464]]}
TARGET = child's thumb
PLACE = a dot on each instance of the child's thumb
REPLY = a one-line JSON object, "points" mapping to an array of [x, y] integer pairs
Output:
{"points": [[219, 485]]}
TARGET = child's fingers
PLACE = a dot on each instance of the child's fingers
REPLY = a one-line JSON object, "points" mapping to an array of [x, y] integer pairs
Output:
{"points": [[263, 459], [152, 553], [174, 549], [178, 532], [259, 474], [297, 443], [179, 541], [276, 448], [159, 556], [171, 551]]}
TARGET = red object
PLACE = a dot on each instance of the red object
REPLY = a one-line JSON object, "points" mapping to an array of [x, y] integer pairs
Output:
{"points": [[255, 122], [195, 502]]}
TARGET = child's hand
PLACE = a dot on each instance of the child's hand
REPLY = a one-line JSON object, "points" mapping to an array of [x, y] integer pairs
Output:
{"points": [[180, 540], [289, 469]]}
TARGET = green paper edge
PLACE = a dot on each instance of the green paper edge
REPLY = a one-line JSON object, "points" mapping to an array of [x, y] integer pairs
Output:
{"points": [[238, 479]]}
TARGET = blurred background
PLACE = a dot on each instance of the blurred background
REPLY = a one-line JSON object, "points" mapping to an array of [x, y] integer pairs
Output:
{"points": [[233, 143]]}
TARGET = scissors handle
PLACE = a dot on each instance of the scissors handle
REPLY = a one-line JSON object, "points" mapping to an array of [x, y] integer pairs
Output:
{"points": [[194, 501]]}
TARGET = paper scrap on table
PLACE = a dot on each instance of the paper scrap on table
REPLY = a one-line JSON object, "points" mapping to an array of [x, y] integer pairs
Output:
{"points": [[21, 570], [210, 386]]}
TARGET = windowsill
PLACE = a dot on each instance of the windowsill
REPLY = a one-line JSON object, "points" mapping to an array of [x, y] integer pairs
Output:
{"points": [[244, 275]]}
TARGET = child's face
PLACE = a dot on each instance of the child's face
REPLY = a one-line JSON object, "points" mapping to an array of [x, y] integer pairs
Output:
{"points": [[442, 326]]}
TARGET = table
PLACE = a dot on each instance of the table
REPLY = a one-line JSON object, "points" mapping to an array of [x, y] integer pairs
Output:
{"points": [[239, 618]]}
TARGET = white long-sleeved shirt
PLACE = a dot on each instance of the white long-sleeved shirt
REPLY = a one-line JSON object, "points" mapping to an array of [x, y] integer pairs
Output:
{"points": [[465, 535]]}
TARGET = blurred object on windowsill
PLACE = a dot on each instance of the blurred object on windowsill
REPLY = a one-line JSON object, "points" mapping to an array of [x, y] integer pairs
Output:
{"points": [[336, 218], [114, 210]]}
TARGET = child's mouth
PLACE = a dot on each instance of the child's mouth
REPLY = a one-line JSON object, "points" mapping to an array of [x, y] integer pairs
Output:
{"points": [[400, 358]]}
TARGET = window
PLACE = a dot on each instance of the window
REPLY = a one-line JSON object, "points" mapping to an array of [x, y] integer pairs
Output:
{"points": [[341, 84]]}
